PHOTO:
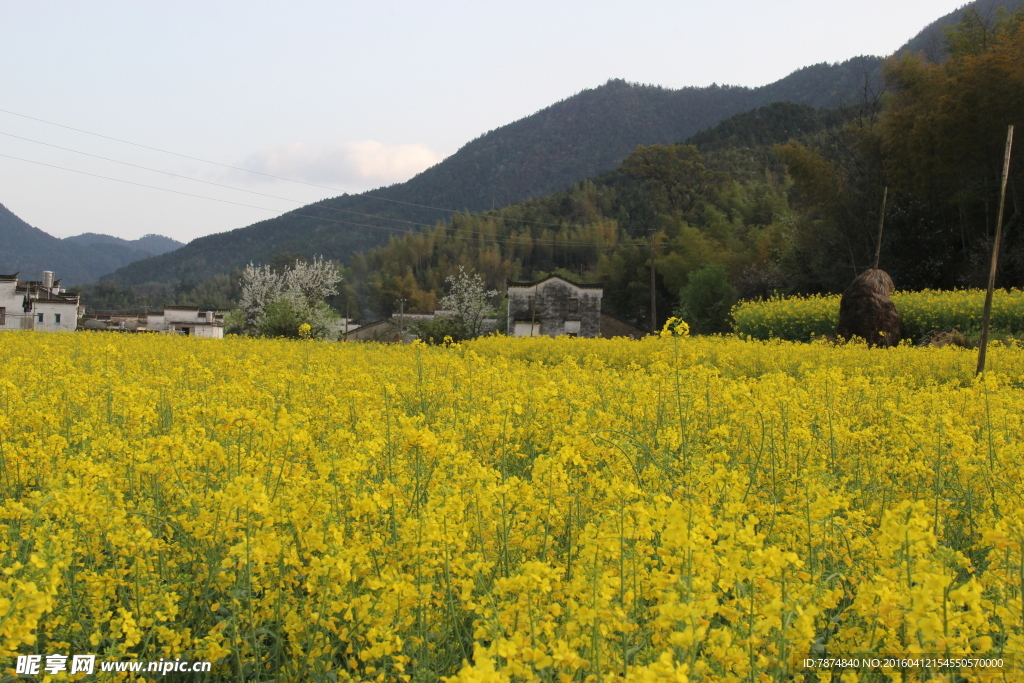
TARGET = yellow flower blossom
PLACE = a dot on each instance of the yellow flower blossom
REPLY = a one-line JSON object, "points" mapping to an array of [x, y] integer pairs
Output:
{"points": [[548, 509]]}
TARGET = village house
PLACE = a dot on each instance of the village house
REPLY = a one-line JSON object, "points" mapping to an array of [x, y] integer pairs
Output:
{"points": [[37, 304], [612, 327], [402, 326], [399, 327], [554, 306], [185, 320]]}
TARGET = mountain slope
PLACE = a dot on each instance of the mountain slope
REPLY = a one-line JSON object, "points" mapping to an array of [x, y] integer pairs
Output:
{"points": [[765, 126], [930, 41], [580, 137], [146, 246], [76, 260]]}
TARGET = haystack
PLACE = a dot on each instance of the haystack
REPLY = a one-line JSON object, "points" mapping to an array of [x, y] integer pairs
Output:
{"points": [[866, 311]]}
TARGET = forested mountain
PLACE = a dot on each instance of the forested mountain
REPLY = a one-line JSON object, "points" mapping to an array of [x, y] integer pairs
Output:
{"points": [[729, 208], [722, 199], [766, 126], [784, 199], [580, 137], [146, 246], [577, 138], [781, 198], [76, 260], [931, 40], [938, 144]]}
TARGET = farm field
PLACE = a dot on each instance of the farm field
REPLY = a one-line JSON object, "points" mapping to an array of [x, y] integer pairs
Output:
{"points": [[802, 318], [508, 510]]}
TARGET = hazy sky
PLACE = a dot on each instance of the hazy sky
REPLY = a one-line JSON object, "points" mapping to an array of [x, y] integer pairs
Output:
{"points": [[348, 95]]}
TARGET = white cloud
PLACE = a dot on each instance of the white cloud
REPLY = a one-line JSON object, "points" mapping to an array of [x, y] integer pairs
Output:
{"points": [[358, 165]]}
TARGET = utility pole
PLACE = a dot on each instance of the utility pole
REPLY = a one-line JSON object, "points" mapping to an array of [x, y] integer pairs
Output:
{"points": [[881, 223], [654, 304], [401, 321], [348, 308], [533, 311], [983, 345]]}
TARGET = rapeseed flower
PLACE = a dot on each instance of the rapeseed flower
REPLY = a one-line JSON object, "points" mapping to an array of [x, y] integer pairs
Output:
{"points": [[508, 509]]}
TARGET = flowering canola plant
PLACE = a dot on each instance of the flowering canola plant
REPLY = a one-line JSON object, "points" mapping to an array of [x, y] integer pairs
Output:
{"points": [[801, 318], [540, 509]]}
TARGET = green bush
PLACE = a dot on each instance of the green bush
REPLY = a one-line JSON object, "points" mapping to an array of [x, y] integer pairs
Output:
{"points": [[434, 331], [705, 300], [283, 316]]}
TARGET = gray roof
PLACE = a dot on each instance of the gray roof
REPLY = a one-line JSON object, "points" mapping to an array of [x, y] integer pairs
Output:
{"points": [[512, 283]]}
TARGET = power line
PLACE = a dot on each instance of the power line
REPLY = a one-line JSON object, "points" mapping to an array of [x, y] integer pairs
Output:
{"points": [[129, 182], [165, 151], [249, 170], [146, 168], [485, 236], [209, 182]]}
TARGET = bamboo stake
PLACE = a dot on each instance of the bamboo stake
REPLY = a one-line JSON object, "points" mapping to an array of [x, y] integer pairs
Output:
{"points": [[533, 311], [995, 255], [348, 309], [881, 223], [654, 303]]}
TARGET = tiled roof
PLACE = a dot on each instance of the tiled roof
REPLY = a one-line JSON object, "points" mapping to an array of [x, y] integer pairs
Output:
{"points": [[512, 283], [46, 298], [45, 295]]}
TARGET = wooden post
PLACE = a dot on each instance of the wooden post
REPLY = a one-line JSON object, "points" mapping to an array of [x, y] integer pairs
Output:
{"points": [[401, 321], [881, 223], [533, 311], [348, 309], [654, 303], [983, 346]]}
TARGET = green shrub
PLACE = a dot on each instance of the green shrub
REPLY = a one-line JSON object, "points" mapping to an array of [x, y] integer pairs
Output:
{"points": [[434, 331], [283, 317], [705, 300]]}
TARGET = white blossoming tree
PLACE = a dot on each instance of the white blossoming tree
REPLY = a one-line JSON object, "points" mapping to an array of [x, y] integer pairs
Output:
{"points": [[276, 304], [468, 301]]}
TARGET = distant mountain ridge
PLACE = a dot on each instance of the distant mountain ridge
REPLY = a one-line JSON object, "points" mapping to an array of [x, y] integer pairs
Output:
{"points": [[574, 139], [75, 260], [580, 137], [151, 245]]}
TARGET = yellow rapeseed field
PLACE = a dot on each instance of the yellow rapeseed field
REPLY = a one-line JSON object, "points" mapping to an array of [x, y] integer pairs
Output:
{"points": [[677, 508], [801, 318]]}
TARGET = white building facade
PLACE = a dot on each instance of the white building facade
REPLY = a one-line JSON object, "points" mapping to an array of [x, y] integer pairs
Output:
{"points": [[37, 305], [181, 320], [191, 322]]}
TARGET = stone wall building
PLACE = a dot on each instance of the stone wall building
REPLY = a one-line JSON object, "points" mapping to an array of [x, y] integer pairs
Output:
{"points": [[552, 307]]}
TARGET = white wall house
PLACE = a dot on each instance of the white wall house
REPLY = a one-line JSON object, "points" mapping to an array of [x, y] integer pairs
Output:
{"points": [[192, 322], [37, 305], [183, 320]]}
